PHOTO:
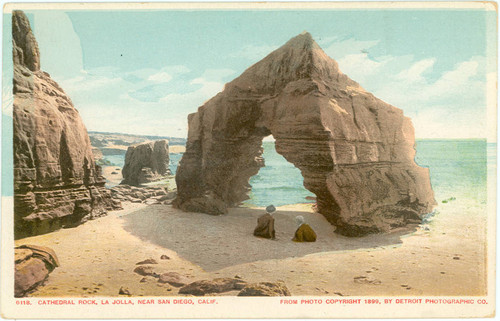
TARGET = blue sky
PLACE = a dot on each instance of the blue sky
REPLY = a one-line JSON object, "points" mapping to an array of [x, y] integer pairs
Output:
{"points": [[143, 72]]}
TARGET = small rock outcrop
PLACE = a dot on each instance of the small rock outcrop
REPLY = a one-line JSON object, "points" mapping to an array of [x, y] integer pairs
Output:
{"points": [[355, 152], [148, 195], [265, 289], [32, 267], [147, 261], [124, 291], [208, 204], [146, 162], [145, 270], [219, 285], [56, 181], [173, 278]]}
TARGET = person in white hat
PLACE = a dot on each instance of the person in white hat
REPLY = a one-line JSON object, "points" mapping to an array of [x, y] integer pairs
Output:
{"points": [[304, 232], [265, 224]]}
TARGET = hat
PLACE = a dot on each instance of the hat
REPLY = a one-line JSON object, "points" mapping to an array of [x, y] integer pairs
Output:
{"points": [[270, 209], [299, 220]]}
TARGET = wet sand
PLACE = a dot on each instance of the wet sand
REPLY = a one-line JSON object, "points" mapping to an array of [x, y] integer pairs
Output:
{"points": [[443, 257]]}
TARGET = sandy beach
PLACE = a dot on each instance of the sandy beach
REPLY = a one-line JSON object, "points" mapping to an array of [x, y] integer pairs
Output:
{"points": [[176, 149], [113, 175], [442, 257]]}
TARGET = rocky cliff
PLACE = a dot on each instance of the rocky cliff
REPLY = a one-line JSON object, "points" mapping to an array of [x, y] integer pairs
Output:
{"points": [[146, 162], [355, 152], [56, 182]]}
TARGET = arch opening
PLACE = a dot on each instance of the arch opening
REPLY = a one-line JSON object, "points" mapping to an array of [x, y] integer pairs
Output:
{"points": [[278, 182]]}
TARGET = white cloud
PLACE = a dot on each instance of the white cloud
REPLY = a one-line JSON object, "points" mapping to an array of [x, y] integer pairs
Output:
{"points": [[453, 105], [107, 99], [89, 83], [458, 81], [416, 71], [164, 74], [176, 69], [449, 104], [128, 117], [359, 66], [462, 83], [430, 123], [160, 77], [188, 102], [208, 88]]}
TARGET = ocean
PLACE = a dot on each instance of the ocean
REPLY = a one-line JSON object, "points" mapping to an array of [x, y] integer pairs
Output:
{"points": [[458, 168], [278, 183]]}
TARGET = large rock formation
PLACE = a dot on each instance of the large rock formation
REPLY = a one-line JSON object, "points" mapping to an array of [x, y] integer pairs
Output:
{"points": [[146, 162], [56, 182], [355, 152]]}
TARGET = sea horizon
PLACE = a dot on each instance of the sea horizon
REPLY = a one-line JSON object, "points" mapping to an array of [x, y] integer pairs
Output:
{"points": [[276, 166]]}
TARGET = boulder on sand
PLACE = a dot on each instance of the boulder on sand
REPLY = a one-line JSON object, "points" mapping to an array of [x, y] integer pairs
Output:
{"points": [[207, 204], [173, 278], [147, 261], [32, 267], [145, 270], [219, 285], [265, 289]]}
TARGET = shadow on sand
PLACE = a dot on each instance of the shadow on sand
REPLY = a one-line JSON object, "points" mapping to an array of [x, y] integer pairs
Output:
{"points": [[216, 242]]}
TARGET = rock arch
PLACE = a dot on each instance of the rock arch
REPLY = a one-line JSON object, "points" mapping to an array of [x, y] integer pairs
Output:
{"points": [[355, 152]]}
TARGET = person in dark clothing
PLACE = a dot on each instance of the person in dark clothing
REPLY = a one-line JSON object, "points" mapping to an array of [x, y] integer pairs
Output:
{"points": [[265, 224]]}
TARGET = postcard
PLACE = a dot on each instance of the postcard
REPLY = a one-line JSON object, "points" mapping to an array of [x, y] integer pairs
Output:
{"points": [[249, 160]]}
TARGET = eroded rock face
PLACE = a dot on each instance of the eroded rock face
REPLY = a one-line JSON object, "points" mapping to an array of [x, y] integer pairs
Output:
{"points": [[32, 267], [56, 182], [149, 195], [355, 152], [146, 162]]}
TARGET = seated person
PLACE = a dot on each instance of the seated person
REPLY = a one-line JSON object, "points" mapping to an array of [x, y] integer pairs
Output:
{"points": [[304, 232], [265, 224]]}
